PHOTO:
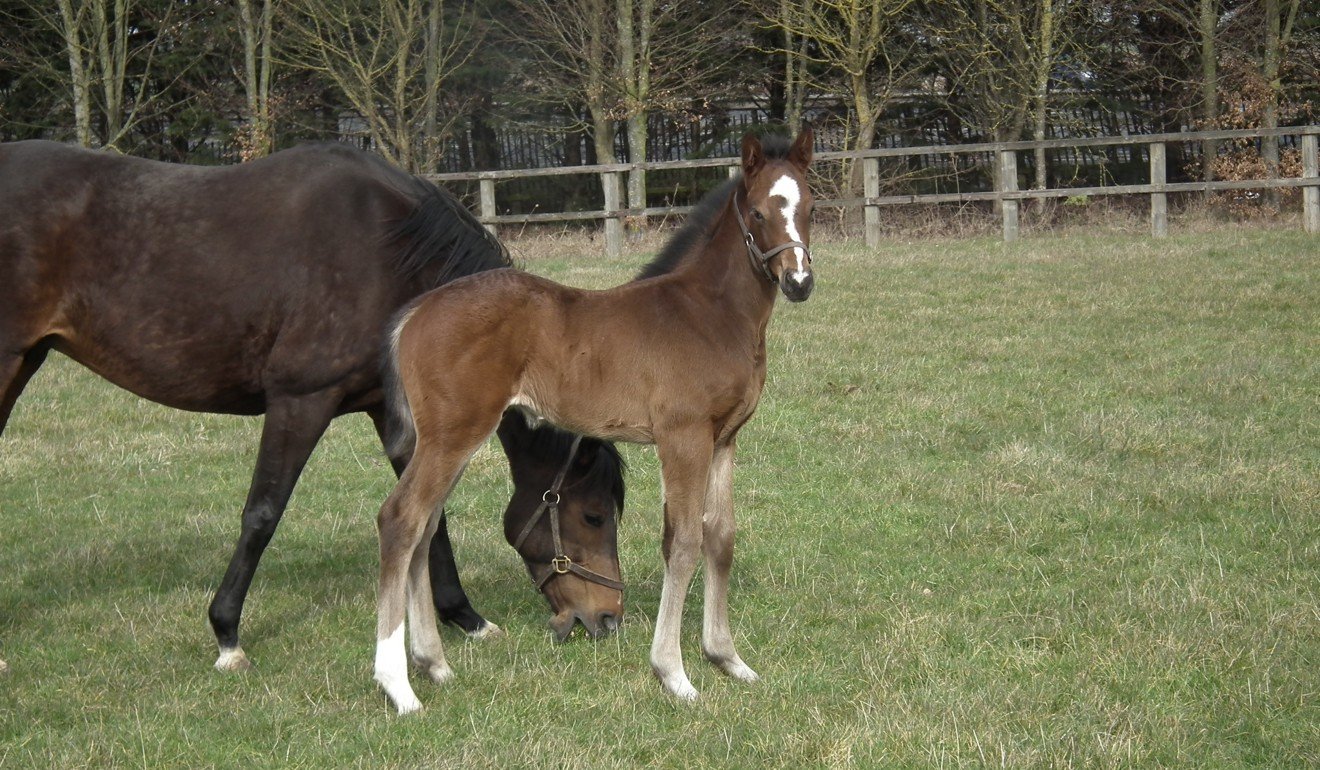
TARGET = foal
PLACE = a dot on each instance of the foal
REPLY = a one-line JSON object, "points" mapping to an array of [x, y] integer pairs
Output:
{"points": [[677, 360]]}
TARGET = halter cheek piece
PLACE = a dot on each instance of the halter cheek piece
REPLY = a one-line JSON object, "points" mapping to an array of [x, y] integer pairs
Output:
{"points": [[761, 259], [561, 564]]}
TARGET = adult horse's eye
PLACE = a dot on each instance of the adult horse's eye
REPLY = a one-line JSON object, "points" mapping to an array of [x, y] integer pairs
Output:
{"points": [[595, 521]]}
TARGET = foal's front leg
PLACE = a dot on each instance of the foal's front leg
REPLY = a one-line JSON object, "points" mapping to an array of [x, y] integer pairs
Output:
{"points": [[684, 466], [718, 526]]}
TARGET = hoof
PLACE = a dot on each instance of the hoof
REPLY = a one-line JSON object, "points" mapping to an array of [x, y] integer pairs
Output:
{"points": [[440, 673], [4, 667], [737, 669], [678, 686], [488, 630], [400, 693], [232, 660]]}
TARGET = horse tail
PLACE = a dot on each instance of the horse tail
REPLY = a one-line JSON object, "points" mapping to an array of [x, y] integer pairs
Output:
{"points": [[400, 430]]}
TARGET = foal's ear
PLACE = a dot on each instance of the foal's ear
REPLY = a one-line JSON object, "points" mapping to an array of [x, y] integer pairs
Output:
{"points": [[800, 154], [752, 157]]}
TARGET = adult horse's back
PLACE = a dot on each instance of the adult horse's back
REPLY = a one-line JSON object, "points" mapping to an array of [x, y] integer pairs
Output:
{"points": [[264, 288]]}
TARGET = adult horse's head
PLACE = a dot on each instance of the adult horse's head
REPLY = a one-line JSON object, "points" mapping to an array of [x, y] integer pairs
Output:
{"points": [[774, 208], [563, 521]]}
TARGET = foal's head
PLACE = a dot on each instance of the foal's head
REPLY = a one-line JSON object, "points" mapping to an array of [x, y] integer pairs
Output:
{"points": [[574, 485], [774, 205]]}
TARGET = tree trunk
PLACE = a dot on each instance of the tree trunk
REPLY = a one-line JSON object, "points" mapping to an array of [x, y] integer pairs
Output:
{"points": [[1269, 145], [256, 34], [1208, 24], [1040, 106], [80, 80]]}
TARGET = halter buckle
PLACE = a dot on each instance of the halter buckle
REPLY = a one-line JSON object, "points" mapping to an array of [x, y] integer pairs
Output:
{"points": [[561, 564], [550, 497]]}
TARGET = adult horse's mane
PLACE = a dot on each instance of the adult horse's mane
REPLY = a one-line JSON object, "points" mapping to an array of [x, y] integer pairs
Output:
{"points": [[697, 229], [441, 231], [548, 441]]}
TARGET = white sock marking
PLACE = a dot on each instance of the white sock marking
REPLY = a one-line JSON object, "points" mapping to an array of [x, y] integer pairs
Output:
{"points": [[392, 672]]}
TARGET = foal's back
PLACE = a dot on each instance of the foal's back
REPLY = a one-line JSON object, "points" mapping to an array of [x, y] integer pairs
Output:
{"points": [[605, 363]]}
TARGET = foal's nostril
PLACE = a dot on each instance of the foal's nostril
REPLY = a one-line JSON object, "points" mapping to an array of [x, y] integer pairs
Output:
{"points": [[608, 622]]}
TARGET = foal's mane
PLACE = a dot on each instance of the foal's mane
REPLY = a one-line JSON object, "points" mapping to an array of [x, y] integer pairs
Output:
{"points": [[698, 228], [441, 231]]}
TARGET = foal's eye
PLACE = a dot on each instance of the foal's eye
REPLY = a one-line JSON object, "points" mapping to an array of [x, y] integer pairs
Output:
{"points": [[757, 216], [595, 521]]}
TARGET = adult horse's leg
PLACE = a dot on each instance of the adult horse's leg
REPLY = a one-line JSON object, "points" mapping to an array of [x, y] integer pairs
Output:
{"points": [[16, 368], [718, 529], [451, 601], [685, 465], [291, 430]]}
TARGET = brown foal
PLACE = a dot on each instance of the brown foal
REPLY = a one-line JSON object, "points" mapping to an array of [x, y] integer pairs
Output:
{"points": [[677, 360]]}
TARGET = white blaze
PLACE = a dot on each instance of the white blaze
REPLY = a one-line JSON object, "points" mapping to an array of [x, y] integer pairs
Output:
{"points": [[786, 187]]}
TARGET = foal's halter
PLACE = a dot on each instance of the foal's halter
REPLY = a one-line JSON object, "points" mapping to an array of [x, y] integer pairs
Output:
{"points": [[561, 564], [761, 259]]}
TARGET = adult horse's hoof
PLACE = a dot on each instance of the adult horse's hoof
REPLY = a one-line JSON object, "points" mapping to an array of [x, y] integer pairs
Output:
{"points": [[232, 660]]}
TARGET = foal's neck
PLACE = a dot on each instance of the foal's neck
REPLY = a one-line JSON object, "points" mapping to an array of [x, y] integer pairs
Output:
{"points": [[722, 272]]}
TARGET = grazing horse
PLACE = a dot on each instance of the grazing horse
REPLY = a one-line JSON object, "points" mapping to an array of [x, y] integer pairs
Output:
{"points": [[676, 358], [265, 288]]}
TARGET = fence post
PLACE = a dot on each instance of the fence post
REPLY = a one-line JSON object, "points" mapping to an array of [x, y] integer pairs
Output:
{"points": [[1159, 200], [1311, 194], [734, 171], [613, 224], [1008, 183], [871, 188], [488, 203]]}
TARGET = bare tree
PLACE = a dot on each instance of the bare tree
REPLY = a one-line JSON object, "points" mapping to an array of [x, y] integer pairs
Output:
{"points": [[1000, 57], [859, 47], [111, 49], [623, 60], [390, 60], [256, 30]]}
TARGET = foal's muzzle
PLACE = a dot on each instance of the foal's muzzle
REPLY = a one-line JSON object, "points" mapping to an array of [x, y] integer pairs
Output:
{"points": [[797, 286]]}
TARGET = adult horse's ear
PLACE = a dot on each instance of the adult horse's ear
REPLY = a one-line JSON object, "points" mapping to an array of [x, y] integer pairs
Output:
{"points": [[752, 157], [800, 154]]}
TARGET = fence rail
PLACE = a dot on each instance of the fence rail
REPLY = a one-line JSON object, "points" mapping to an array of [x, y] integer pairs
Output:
{"points": [[1007, 193]]}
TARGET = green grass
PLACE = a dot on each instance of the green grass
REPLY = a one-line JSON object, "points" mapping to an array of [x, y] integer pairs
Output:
{"points": [[1048, 504]]}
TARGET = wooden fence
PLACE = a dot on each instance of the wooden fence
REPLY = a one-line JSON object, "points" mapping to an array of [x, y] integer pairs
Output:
{"points": [[1008, 193]]}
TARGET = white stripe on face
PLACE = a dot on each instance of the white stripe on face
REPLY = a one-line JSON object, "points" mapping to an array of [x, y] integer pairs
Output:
{"points": [[786, 187]]}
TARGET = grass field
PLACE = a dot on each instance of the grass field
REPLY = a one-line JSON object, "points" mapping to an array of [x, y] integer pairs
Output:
{"points": [[1049, 504]]}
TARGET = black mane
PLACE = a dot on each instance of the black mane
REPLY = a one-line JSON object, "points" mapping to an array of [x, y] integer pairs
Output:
{"points": [[546, 440], [697, 229], [441, 231]]}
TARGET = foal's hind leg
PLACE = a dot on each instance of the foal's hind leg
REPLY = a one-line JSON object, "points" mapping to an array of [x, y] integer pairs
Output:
{"points": [[404, 522], [451, 601], [291, 430], [718, 527]]}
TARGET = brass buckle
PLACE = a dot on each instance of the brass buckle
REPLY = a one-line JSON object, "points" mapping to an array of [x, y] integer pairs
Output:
{"points": [[561, 565]]}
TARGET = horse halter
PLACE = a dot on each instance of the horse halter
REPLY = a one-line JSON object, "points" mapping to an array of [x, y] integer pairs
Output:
{"points": [[761, 259], [561, 564]]}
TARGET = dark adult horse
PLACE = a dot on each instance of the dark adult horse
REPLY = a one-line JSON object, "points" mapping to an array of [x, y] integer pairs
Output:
{"points": [[267, 288]]}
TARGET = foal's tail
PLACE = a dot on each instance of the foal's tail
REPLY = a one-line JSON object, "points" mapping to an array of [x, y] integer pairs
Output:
{"points": [[400, 430]]}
